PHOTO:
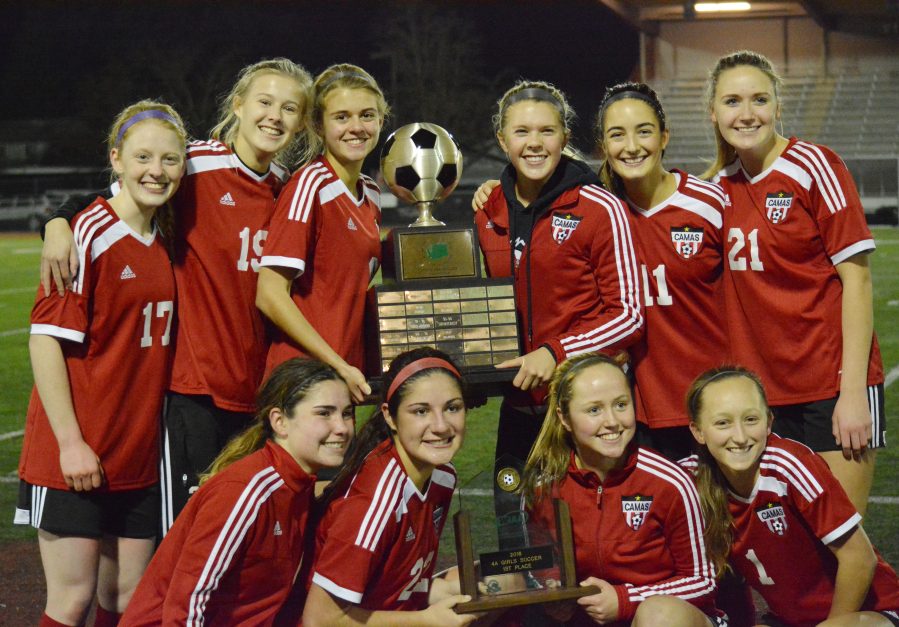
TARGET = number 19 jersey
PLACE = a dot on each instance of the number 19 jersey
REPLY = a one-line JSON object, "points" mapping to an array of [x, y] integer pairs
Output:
{"points": [[785, 231]]}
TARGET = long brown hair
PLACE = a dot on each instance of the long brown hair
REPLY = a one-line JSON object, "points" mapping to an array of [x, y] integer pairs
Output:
{"points": [[710, 481], [726, 152], [285, 387], [610, 179], [550, 456], [376, 430]]}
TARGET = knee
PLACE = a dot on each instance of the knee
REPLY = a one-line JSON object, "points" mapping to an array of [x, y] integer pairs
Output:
{"points": [[658, 611], [70, 605]]}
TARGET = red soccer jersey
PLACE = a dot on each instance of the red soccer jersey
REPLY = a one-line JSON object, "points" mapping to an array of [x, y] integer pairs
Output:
{"points": [[223, 211], [333, 243], [641, 530], [782, 531], [377, 543], [679, 242], [786, 229], [581, 276], [231, 557], [115, 330]]}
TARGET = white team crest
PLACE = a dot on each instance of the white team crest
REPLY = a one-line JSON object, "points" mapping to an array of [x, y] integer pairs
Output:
{"points": [[635, 509], [687, 240], [563, 225], [777, 205], [773, 516]]}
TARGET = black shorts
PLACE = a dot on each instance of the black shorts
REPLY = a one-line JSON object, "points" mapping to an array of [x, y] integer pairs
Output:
{"points": [[91, 514], [770, 620], [195, 432], [812, 423]]}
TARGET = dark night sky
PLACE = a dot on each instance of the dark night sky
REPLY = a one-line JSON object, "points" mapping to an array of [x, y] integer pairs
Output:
{"points": [[85, 60]]}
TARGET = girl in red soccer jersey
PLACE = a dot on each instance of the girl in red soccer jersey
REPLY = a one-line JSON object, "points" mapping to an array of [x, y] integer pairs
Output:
{"points": [[676, 221], [777, 511], [377, 542], [638, 529], [568, 244], [232, 555], [101, 352], [324, 244], [222, 215], [797, 284]]}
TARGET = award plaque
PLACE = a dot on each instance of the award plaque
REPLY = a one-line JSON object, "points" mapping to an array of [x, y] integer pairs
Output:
{"points": [[504, 558], [433, 292]]}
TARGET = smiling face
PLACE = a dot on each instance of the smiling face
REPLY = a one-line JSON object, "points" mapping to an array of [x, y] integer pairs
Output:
{"points": [[745, 108], [351, 126], [318, 432], [600, 417], [429, 426], [149, 163], [533, 137], [270, 114], [734, 424], [633, 140]]}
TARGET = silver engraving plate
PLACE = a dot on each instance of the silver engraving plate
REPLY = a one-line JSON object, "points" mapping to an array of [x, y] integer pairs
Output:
{"points": [[450, 294], [504, 330], [421, 336], [449, 334], [417, 324], [452, 320], [475, 320], [502, 317], [447, 308], [474, 306], [392, 324], [393, 338], [502, 304], [391, 311], [418, 296], [500, 345], [386, 298], [500, 291], [419, 309], [476, 333], [473, 292]]}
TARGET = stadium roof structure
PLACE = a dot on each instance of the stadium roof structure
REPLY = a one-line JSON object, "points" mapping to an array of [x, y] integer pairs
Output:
{"points": [[873, 18]]}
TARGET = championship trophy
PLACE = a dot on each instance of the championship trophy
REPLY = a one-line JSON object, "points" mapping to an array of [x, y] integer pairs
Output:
{"points": [[506, 559], [433, 292]]}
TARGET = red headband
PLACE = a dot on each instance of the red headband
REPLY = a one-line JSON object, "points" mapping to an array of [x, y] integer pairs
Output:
{"points": [[418, 366]]}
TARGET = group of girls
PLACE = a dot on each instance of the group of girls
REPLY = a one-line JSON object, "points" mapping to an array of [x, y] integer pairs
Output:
{"points": [[573, 248]]}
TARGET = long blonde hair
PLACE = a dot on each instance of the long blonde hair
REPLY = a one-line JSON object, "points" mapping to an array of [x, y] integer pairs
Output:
{"points": [[301, 148], [164, 215], [726, 152], [710, 481], [286, 386], [550, 456]]}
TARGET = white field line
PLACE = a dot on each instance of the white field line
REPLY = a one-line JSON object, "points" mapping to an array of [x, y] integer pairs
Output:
{"points": [[14, 332], [891, 377], [17, 290], [11, 435]]}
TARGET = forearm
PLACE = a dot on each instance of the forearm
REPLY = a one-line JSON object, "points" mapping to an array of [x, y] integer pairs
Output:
{"points": [[857, 321], [324, 610], [274, 300], [856, 563]]}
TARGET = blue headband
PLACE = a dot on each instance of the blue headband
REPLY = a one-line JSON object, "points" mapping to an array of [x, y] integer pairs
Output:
{"points": [[140, 117]]}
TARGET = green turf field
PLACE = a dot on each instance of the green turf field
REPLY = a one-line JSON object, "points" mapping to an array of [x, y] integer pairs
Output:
{"points": [[20, 255]]}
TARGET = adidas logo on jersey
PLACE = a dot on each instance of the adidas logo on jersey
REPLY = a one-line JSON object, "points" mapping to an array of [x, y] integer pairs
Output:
{"points": [[278, 531], [410, 535], [351, 226], [127, 273], [227, 200]]}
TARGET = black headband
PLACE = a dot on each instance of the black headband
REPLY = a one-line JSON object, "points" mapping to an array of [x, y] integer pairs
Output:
{"points": [[534, 93], [344, 74], [622, 95]]}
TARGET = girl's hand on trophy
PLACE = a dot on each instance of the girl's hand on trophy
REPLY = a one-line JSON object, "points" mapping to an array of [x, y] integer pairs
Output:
{"points": [[483, 193], [534, 369], [601, 607]]}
